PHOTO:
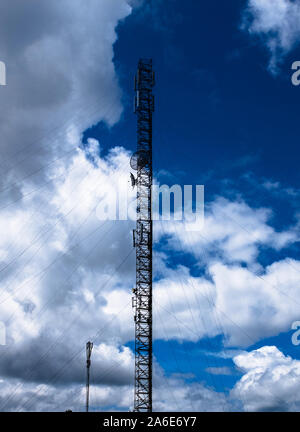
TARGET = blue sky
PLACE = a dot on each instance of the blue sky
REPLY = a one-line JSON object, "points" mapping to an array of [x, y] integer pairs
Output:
{"points": [[217, 104], [220, 115], [222, 119], [226, 117]]}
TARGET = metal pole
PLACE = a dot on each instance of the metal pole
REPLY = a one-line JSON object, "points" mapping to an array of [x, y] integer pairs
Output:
{"points": [[89, 347]]}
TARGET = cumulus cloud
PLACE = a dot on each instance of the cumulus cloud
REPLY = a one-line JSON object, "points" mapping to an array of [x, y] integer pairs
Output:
{"points": [[58, 277], [270, 381], [230, 300], [58, 261], [58, 280], [174, 394], [232, 230], [277, 22], [60, 80], [171, 393], [43, 397]]}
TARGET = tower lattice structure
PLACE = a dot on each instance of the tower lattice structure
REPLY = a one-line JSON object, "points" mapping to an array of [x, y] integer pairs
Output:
{"points": [[142, 300]]}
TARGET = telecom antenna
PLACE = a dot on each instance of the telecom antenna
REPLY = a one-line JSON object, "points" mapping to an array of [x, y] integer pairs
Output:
{"points": [[89, 347], [141, 162]]}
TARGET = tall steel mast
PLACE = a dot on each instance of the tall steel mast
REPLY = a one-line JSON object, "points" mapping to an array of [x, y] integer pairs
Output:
{"points": [[141, 161], [89, 347]]}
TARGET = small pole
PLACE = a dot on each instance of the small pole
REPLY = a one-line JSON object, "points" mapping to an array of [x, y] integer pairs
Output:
{"points": [[89, 347]]}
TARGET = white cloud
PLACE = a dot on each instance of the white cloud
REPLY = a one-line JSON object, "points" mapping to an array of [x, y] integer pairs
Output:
{"points": [[169, 394], [278, 23], [270, 382], [173, 394], [61, 80], [61, 272], [224, 370], [43, 398], [58, 261], [232, 230], [243, 306]]}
